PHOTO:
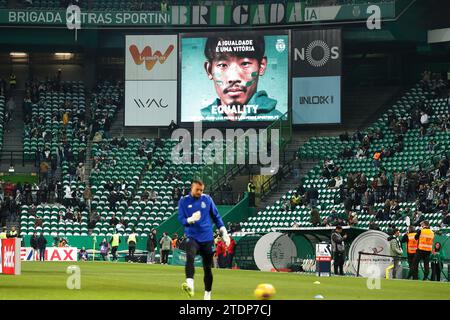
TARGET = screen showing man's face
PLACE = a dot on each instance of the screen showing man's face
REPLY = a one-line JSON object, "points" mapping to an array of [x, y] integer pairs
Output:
{"points": [[235, 79]]}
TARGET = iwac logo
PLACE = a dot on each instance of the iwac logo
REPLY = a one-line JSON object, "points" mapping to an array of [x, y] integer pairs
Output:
{"points": [[317, 53], [148, 57], [151, 102]]}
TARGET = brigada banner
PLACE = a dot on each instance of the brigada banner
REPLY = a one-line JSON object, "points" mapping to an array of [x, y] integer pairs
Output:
{"points": [[179, 258], [270, 13]]}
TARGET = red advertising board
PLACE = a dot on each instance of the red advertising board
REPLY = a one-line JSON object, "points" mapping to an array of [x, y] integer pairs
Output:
{"points": [[10, 256]]}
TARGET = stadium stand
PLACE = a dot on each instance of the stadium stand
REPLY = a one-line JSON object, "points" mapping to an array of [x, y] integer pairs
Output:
{"points": [[106, 99], [409, 181], [133, 181]]}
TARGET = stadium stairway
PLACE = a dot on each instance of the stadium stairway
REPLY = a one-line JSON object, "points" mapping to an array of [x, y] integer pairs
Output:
{"points": [[305, 165], [13, 140], [88, 162]]}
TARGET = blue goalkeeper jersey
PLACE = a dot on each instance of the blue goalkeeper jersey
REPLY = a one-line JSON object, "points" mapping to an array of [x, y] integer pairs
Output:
{"points": [[202, 230]]}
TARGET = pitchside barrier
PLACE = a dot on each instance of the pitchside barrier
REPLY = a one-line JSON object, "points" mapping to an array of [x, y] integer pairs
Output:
{"points": [[368, 260], [309, 250], [10, 256]]}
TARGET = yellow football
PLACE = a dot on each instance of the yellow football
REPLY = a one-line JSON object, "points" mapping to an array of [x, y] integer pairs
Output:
{"points": [[264, 291]]}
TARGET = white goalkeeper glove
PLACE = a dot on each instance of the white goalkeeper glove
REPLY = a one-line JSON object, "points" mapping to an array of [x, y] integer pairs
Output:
{"points": [[225, 236], [194, 218]]}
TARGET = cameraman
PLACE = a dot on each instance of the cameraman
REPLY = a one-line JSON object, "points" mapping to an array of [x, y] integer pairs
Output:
{"points": [[338, 250]]}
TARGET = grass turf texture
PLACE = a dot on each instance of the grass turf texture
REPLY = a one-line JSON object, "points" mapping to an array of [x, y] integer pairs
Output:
{"points": [[106, 280]]}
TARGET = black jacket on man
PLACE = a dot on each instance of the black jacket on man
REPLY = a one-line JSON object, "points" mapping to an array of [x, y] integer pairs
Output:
{"points": [[34, 242], [41, 242], [152, 242]]}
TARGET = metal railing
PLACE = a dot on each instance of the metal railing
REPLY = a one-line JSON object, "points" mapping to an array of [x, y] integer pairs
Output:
{"points": [[226, 197], [14, 157], [273, 182]]}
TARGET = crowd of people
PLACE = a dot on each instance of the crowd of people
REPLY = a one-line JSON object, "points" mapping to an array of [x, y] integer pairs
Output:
{"points": [[104, 105], [427, 188], [424, 186]]}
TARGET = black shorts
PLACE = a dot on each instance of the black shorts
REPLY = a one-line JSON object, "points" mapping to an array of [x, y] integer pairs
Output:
{"points": [[203, 248]]}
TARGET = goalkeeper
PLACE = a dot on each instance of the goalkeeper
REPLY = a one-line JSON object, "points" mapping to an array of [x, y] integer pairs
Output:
{"points": [[197, 212]]}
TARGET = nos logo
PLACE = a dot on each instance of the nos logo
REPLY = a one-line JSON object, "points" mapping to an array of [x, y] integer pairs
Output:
{"points": [[323, 53], [9, 256]]}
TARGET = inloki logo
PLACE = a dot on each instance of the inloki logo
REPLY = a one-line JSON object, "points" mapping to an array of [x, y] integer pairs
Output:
{"points": [[316, 100], [148, 57], [318, 60], [149, 103]]}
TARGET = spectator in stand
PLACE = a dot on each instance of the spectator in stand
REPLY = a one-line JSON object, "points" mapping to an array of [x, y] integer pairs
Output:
{"points": [[113, 221], [295, 201], [424, 123], [87, 196], [80, 172], [377, 158], [153, 196], [176, 195], [312, 196], [344, 136], [373, 226], [445, 222], [315, 217], [352, 219]]}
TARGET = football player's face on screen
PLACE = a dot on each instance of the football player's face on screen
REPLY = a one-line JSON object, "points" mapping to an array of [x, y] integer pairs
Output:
{"points": [[197, 190], [235, 79]]}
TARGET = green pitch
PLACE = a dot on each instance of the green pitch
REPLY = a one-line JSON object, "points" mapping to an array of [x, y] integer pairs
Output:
{"points": [[106, 280]]}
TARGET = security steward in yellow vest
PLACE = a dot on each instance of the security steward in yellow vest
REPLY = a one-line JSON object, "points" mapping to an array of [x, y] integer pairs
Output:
{"points": [[12, 233], [114, 241], [3, 234], [411, 246], [131, 246], [425, 237]]}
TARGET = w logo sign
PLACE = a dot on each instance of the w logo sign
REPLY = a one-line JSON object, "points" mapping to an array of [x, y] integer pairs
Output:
{"points": [[148, 56]]}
